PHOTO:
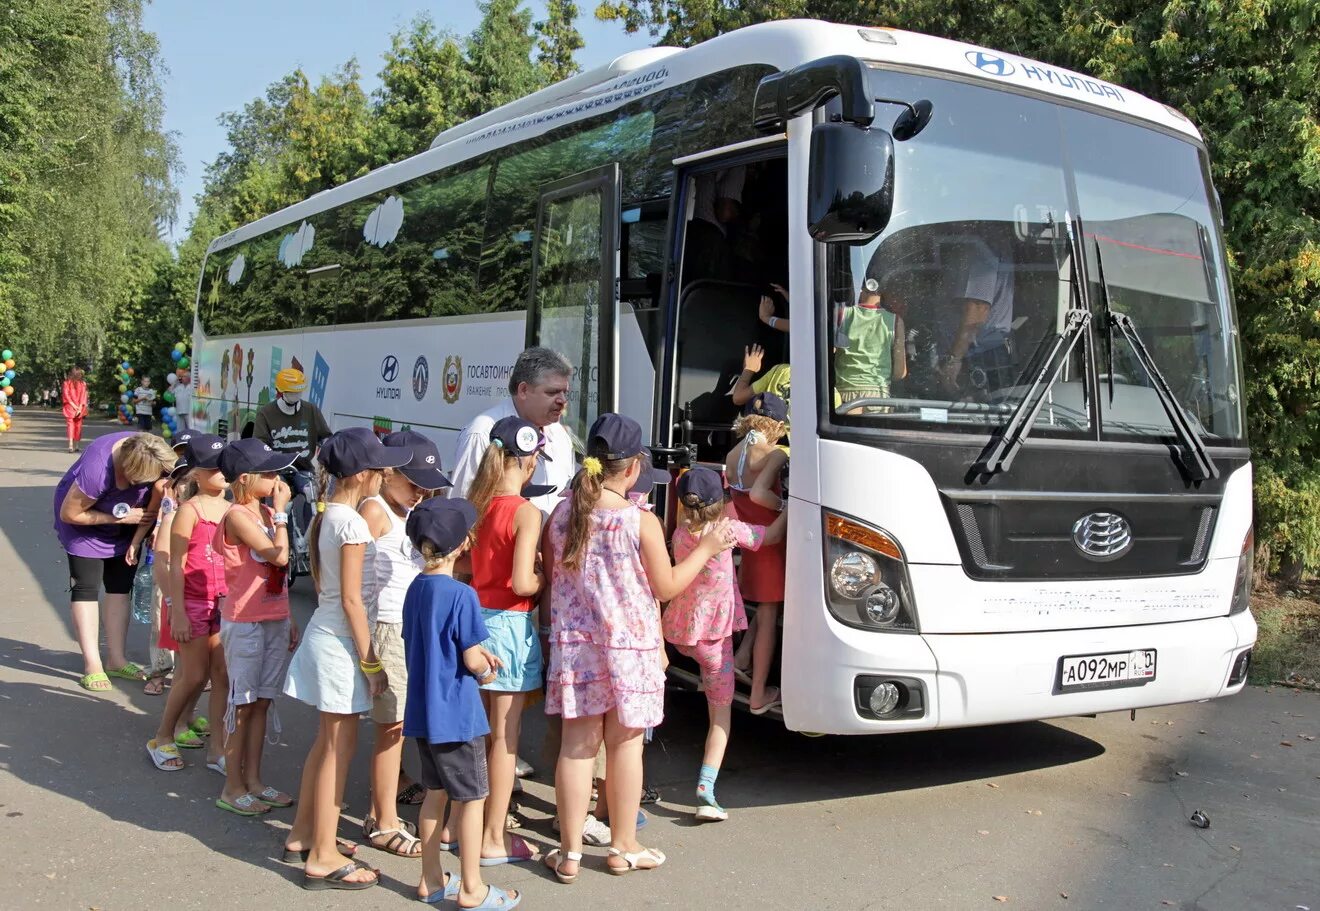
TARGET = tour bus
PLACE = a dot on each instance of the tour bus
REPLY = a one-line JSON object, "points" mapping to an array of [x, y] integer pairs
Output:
{"points": [[1020, 483]]}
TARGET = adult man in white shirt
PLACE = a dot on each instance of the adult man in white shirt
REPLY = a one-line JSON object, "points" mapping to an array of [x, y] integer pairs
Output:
{"points": [[538, 389]]}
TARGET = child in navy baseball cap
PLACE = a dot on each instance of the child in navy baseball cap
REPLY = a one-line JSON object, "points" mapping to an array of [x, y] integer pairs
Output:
{"points": [[444, 631]]}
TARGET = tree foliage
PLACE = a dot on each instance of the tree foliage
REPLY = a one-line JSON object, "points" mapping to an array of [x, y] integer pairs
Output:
{"points": [[85, 176], [1248, 74]]}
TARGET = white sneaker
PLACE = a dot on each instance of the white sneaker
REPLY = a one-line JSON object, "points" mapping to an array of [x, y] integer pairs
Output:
{"points": [[594, 833], [707, 813], [523, 769]]}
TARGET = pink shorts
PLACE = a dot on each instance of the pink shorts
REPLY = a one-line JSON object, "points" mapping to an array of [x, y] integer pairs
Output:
{"points": [[715, 658], [203, 616]]}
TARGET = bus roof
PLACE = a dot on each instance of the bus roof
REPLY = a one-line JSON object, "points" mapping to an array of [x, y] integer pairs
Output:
{"points": [[783, 44]]}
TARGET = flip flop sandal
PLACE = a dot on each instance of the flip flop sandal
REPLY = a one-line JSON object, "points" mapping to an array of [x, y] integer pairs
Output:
{"points": [[163, 754], [556, 860], [769, 704], [449, 893], [189, 740], [95, 683], [650, 795], [346, 848], [496, 899], [200, 726], [412, 795], [155, 685], [338, 880], [400, 843], [521, 853], [129, 671], [218, 766], [633, 860], [247, 805], [275, 798]]}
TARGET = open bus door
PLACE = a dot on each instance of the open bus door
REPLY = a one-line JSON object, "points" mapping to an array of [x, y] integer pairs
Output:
{"points": [[574, 305]]}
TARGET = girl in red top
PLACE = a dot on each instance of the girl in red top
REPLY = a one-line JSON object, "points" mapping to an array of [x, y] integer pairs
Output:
{"points": [[74, 395], [255, 630], [506, 577], [192, 602]]}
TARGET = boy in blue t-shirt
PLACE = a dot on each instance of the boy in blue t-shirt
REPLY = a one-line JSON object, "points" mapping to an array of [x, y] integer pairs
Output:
{"points": [[442, 636]]}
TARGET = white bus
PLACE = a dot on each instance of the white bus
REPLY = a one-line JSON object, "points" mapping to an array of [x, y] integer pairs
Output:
{"points": [[1037, 503]]}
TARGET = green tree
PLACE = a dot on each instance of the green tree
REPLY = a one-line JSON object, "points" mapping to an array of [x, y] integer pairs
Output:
{"points": [[425, 87], [499, 56], [86, 174], [557, 41]]}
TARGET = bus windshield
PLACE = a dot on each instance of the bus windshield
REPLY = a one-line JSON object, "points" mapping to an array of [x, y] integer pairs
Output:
{"points": [[1008, 212]]}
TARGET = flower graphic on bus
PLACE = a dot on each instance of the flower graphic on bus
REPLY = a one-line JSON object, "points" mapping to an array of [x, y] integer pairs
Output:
{"points": [[294, 245], [236, 268], [452, 378], [384, 222]]}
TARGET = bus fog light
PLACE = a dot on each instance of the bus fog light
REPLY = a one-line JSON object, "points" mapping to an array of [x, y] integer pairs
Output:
{"points": [[884, 698], [882, 605], [852, 573]]}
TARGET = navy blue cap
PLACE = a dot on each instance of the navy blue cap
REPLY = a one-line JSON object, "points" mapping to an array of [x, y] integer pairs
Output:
{"points": [[252, 456], [442, 521], [518, 436], [767, 405], [182, 438], [700, 487], [203, 451], [613, 437], [650, 476], [424, 469], [356, 449]]}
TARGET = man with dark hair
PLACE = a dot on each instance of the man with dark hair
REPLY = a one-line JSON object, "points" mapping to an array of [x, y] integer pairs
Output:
{"points": [[538, 392]]}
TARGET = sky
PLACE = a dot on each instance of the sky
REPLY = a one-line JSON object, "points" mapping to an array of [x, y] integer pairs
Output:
{"points": [[221, 55]]}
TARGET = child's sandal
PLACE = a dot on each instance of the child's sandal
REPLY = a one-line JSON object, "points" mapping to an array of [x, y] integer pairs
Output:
{"points": [[400, 843], [634, 859], [556, 859]]}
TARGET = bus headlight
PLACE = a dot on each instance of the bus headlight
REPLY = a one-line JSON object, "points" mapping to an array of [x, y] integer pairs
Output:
{"points": [[1245, 571], [866, 577], [853, 574]]}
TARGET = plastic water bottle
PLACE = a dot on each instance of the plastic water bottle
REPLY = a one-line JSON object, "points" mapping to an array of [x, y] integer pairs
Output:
{"points": [[144, 591]]}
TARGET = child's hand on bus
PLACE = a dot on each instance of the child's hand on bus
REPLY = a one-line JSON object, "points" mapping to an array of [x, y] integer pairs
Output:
{"points": [[753, 355]]}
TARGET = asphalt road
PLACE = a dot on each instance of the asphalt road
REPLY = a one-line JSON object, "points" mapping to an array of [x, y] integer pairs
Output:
{"points": [[1080, 813]]}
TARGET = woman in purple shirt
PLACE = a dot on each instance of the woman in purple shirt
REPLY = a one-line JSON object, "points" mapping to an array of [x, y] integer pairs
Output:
{"points": [[98, 504]]}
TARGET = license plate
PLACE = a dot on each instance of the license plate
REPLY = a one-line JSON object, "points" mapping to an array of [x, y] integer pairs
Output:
{"points": [[1111, 669]]}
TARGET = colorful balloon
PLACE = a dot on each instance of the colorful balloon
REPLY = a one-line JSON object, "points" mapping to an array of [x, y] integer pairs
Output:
{"points": [[184, 362], [171, 379], [176, 354], [9, 363], [4, 381], [166, 432], [6, 354], [180, 347]]}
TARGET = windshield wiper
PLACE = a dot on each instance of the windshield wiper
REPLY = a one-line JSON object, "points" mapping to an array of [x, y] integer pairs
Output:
{"points": [[1000, 453], [1197, 460]]}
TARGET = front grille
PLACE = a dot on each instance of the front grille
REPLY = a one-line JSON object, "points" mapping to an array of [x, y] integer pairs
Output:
{"points": [[1003, 536]]}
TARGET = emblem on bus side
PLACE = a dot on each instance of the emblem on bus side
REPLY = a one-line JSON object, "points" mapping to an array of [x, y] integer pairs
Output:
{"points": [[452, 378], [1102, 536]]}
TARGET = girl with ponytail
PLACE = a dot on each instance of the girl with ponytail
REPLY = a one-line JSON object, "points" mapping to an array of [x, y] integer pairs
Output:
{"points": [[607, 565]]}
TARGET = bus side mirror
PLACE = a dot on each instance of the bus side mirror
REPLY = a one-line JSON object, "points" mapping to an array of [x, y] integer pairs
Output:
{"points": [[851, 186]]}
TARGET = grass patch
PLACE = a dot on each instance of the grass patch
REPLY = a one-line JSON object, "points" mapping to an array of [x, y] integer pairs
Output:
{"points": [[1288, 636]]}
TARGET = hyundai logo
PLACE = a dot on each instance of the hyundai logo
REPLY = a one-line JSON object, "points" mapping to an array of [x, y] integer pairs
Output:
{"points": [[990, 64], [1102, 536], [389, 368]]}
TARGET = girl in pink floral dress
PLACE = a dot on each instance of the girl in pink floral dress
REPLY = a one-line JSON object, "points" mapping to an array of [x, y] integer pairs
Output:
{"points": [[701, 620], [607, 564]]}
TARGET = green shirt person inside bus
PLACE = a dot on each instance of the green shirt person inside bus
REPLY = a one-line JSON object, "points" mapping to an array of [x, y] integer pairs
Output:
{"points": [[869, 348]]}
